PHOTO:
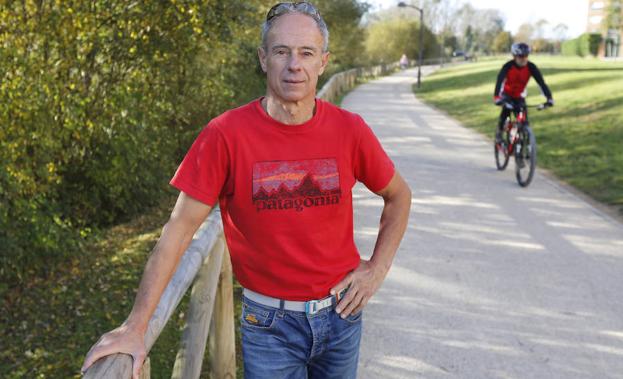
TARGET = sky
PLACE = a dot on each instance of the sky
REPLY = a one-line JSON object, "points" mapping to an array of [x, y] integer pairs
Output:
{"points": [[573, 13]]}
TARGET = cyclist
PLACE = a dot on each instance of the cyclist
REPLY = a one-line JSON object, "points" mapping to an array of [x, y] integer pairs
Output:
{"points": [[513, 78]]}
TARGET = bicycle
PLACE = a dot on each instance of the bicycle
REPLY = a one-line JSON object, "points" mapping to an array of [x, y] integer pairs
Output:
{"points": [[518, 140]]}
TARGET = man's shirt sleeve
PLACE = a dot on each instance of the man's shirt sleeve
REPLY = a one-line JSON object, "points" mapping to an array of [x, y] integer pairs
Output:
{"points": [[205, 168], [372, 165], [536, 73]]}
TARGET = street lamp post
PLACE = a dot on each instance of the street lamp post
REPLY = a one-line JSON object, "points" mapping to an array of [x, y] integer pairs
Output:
{"points": [[402, 4]]}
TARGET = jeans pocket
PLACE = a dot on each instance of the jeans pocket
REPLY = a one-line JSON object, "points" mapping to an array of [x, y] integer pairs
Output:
{"points": [[257, 316], [354, 318]]}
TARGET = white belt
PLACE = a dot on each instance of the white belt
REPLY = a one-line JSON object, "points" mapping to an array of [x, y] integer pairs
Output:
{"points": [[310, 307]]}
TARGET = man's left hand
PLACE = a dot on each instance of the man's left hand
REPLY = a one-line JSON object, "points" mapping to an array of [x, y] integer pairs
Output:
{"points": [[362, 283]]}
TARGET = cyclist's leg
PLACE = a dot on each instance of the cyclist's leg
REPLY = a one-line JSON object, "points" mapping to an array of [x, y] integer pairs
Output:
{"points": [[503, 116], [525, 108]]}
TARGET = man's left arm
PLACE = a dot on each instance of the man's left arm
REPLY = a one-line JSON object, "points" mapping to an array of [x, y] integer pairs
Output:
{"points": [[364, 281], [536, 73]]}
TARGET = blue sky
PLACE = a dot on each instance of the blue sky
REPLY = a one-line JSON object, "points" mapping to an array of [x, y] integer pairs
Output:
{"points": [[573, 13]]}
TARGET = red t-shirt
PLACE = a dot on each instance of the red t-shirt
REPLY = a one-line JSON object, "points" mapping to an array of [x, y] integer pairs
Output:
{"points": [[285, 194]]}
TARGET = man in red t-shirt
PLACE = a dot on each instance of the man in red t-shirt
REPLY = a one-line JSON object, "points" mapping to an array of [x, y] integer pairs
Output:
{"points": [[282, 168]]}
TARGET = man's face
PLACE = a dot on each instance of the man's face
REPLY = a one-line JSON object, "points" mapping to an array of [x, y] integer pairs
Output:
{"points": [[293, 59], [521, 60]]}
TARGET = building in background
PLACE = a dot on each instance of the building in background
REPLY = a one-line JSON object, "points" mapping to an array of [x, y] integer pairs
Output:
{"points": [[606, 18]]}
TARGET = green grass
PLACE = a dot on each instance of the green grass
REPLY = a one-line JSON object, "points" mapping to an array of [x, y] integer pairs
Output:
{"points": [[47, 327], [580, 139]]}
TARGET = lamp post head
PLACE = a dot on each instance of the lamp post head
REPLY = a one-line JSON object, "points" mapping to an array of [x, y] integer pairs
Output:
{"points": [[403, 4]]}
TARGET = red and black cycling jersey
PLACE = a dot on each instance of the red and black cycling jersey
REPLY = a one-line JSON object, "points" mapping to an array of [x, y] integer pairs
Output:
{"points": [[515, 78]]}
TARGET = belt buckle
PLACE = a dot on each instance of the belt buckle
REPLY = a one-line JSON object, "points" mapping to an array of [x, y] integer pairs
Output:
{"points": [[314, 306], [311, 307]]}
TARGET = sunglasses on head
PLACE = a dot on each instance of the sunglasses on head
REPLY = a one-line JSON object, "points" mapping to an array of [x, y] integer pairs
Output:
{"points": [[301, 6]]}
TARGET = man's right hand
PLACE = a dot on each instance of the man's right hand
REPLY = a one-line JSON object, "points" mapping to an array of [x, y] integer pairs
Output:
{"points": [[186, 217], [498, 100], [123, 339]]}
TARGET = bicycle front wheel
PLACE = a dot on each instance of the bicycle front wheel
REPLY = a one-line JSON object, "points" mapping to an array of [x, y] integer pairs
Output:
{"points": [[525, 156]]}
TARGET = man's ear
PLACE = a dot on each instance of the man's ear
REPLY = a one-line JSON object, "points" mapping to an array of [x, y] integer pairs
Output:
{"points": [[325, 61], [261, 54]]}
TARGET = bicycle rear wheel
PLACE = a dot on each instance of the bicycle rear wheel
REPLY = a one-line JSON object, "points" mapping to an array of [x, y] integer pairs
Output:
{"points": [[500, 150], [525, 156]]}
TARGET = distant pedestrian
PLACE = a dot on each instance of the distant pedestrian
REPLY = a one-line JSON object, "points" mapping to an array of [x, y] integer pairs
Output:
{"points": [[404, 61]]}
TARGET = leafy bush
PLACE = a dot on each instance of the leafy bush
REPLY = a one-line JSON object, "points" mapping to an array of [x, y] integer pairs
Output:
{"points": [[100, 101], [584, 45]]}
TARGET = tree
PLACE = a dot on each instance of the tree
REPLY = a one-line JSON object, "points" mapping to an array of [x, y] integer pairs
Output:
{"points": [[560, 31], [469, 38], [474, 30], [502, 42], [525, 33], [539, 29], [388, 39], [542, 45], [343, 18], [450, 41], [613, 19], [560, 35], [477, 28]]}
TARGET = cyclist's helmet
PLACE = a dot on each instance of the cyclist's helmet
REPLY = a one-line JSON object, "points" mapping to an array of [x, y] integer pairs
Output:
{"points": [[521, 49]]}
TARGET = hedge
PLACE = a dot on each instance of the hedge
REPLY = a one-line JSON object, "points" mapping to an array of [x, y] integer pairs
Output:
{"points": [[587, 43]]}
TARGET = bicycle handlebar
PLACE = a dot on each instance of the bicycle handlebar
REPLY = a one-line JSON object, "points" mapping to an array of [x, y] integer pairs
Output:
{"points": [[538, 107]]}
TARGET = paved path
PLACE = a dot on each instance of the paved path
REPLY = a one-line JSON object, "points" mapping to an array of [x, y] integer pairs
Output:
{"points": [[492, 280]]}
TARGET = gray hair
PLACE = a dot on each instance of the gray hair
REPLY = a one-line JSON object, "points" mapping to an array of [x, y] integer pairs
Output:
{"points": [[303, 8]]}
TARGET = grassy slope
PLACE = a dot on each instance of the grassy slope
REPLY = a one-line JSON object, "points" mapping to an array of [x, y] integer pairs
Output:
{"points": [[47, 328], [580, 139]]}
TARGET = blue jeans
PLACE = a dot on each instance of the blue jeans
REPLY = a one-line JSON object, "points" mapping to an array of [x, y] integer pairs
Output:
{"points": [[280, 344]]}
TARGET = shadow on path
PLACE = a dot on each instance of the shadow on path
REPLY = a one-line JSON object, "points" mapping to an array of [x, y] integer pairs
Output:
{"points": [[492, 280]]}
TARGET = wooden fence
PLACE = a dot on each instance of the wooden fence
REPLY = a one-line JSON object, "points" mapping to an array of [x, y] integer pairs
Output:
{"points": [[344, 81], [210, 315]]}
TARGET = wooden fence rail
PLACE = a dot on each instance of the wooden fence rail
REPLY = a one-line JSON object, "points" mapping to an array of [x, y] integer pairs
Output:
{"points": [[210, 315], [344, 81]]}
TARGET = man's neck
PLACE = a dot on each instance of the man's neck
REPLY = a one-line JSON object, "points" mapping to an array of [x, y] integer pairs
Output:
{"points": [[289, 113]]}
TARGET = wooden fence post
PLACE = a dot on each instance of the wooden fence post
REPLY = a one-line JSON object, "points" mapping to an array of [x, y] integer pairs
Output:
{"points": [[194, 336], [222, 339], [146, 369]]}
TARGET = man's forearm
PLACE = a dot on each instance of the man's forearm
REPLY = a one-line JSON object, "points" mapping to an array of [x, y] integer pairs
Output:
{"points": [[394, 220], [158, 271]]}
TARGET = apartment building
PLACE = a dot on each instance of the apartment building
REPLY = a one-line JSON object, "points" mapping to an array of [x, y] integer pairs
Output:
{"points": [[596, 23]]}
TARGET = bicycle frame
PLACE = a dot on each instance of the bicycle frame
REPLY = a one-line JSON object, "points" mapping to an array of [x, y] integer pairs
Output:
{"points": [[514, 123]]}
